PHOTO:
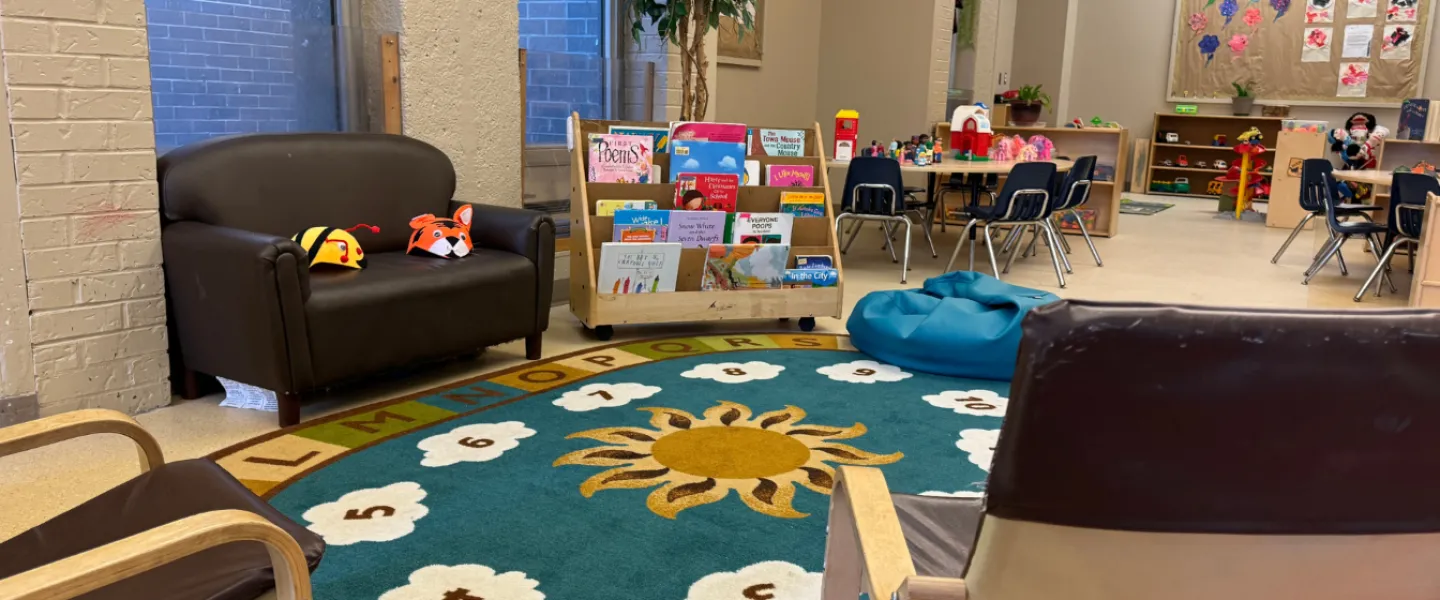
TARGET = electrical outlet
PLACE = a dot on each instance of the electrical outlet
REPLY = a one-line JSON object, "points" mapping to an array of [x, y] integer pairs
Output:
{"points": [[1004, 79]]}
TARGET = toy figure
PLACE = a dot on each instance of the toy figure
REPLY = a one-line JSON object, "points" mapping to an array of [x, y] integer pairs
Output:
{"points": [[1359, 143], [1077, 123], [1220, 164], [1220, 140], [1096, 122], [1183, 161], [1044, 148]]}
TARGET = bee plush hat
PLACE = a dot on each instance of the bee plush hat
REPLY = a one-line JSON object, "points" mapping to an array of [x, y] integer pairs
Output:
{"points": [[333, 246]]}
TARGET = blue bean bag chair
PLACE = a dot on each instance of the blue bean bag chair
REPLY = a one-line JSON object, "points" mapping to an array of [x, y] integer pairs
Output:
{"points": [[962, 324]]}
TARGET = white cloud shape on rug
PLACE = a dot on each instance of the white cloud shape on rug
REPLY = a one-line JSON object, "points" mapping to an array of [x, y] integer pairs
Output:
{"points": [[604, 395], [369, 515], [864, 371], [980, 445], [959, 494], [733, 372], [769, 580], [465, 581], [480, 442], [981, 403]]}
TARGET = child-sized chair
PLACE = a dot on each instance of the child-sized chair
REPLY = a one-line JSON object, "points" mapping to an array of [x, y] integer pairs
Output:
{"points": [[1024, 202]]}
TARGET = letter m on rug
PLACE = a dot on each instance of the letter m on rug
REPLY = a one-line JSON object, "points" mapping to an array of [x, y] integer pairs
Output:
{"points": [[379, 418]]}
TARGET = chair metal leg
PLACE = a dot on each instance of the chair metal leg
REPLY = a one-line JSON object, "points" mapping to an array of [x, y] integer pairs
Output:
{"points": [[944, 214], [1084, 232], [1059, 237], [1011, 260], [1379, 269], [1384, 265], [949, 266], [1055, 252], [1315, 261], [905, 264], [854, 230], [925, 228], [990, 248], [1410, 249], [1293, 233], [1055, 226], [1012, 236], [888, 243], [1332, 250]]}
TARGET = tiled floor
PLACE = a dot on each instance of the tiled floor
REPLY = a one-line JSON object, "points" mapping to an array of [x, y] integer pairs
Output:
{"points": [[1182, 255]]}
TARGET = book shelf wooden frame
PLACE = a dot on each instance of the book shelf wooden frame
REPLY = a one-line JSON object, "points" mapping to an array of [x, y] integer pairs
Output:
{"points": [[1201, 129], [1110, 146], [599, 312]]}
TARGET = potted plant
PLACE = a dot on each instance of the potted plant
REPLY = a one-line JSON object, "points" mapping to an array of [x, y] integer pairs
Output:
{"points": [[1244, 100], [685, 23], [1026, 104]]}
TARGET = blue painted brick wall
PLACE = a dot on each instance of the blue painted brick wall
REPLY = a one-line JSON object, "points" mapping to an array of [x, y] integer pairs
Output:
{"points": [[220, 67], [565, 68]]}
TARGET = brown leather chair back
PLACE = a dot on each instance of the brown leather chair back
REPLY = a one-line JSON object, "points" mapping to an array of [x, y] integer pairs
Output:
{"points": [[1163, 451], [283, 183]]}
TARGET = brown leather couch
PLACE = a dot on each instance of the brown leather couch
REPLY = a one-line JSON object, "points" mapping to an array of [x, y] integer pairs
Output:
{"points": [[244, 306]]}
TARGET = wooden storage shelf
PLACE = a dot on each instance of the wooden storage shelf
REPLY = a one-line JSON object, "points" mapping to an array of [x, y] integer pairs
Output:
{"points": [[1110, 146], [1200, 130], [600, 311]]}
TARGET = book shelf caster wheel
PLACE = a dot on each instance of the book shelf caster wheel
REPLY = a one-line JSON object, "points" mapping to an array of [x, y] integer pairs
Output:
{"points": [[807, 324], [603, 332]]}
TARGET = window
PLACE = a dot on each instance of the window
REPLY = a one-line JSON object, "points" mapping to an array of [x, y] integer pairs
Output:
{"points": [[567, 65], [221, 67]]}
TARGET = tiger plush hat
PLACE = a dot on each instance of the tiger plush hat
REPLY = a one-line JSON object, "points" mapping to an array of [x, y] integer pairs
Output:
{"points": [[446, 238]]}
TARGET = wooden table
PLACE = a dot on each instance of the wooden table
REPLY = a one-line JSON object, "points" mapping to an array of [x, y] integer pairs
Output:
{"points": [[1369, 176], [964, 167]]}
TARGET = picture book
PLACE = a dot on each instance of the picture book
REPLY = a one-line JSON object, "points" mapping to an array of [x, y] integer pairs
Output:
{"points": [[659, 135], [804, 278], [713, 132], [763, 228], [803, 204], [620, 158], [641, 225], [607, 208], [1414, 113], [745, 267], [691, 156], [752, 172], [707, 191], [638, 268], [790, 175], [697, 228], [777, 142], [814, 261]]}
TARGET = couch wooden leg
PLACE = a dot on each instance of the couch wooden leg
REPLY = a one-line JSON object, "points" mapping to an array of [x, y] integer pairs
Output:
{"points": [[189, 386], [289, 408], [532, 346]]}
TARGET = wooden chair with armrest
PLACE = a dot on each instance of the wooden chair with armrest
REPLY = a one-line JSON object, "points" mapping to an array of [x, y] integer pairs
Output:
{"points": [[179, 530], [1236, 462]]}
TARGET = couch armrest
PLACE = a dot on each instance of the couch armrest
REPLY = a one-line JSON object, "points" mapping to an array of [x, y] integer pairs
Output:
{"points": [[528, 233], [237, 304]]}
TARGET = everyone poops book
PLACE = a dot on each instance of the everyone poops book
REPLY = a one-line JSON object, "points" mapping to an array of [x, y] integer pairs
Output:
{"points": [[620, 158], [638, 268]]}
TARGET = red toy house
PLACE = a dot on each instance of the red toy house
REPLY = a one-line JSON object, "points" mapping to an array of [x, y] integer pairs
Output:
{"points": [[970, 133], [847, 134]]}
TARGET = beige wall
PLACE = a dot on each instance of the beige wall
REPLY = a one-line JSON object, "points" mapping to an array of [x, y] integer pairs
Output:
{"points": [[1121, 57], [1039, 60], [782, 90], [894, 86], [461, 87], [77, 77]]}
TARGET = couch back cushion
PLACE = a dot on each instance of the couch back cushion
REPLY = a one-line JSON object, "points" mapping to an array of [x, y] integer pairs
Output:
{"points": [[283, 183]]}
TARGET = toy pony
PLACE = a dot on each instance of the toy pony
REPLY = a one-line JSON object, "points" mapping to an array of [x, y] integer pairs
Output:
{"points": [[1007, 148], [1044, 148]]}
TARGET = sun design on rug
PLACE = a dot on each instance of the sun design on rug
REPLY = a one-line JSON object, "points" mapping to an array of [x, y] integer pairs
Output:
{"points": [[699, 460]]}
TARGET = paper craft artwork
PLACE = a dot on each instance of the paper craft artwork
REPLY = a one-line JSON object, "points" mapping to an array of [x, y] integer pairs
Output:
{"points": [[1320, 11], [1402, 11], [1353, 77], [1227, 9], [638, 268], [1317, 45], [1280, 7], [1252, 17], [1198, 22], [620, 158], [1238, 42], [1208, 45], [1357, 41], [1397, 42], [1360, 9]]}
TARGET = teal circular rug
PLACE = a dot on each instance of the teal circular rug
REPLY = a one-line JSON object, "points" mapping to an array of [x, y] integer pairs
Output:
{"points": [[689, 469]]}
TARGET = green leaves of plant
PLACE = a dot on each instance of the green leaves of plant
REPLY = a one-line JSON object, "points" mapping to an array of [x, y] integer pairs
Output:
{"points": [[667, 16]]}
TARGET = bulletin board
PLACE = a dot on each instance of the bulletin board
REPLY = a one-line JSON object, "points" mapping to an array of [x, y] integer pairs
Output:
{"points": [[1303, 52]]}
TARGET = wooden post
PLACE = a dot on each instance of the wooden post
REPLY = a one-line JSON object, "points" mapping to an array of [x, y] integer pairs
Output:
{"points": [[390, 80], [524, 117], [649, 93]]}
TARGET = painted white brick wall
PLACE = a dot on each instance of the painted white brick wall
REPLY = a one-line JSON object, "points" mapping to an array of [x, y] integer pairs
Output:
{"points": [[77, 78]]}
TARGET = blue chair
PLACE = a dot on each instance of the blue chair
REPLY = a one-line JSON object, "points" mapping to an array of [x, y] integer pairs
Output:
{"points": [[1316, 185], [873, 192], [1074, 193], [1024, 202], [1408, 192], [1342, 231]]}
